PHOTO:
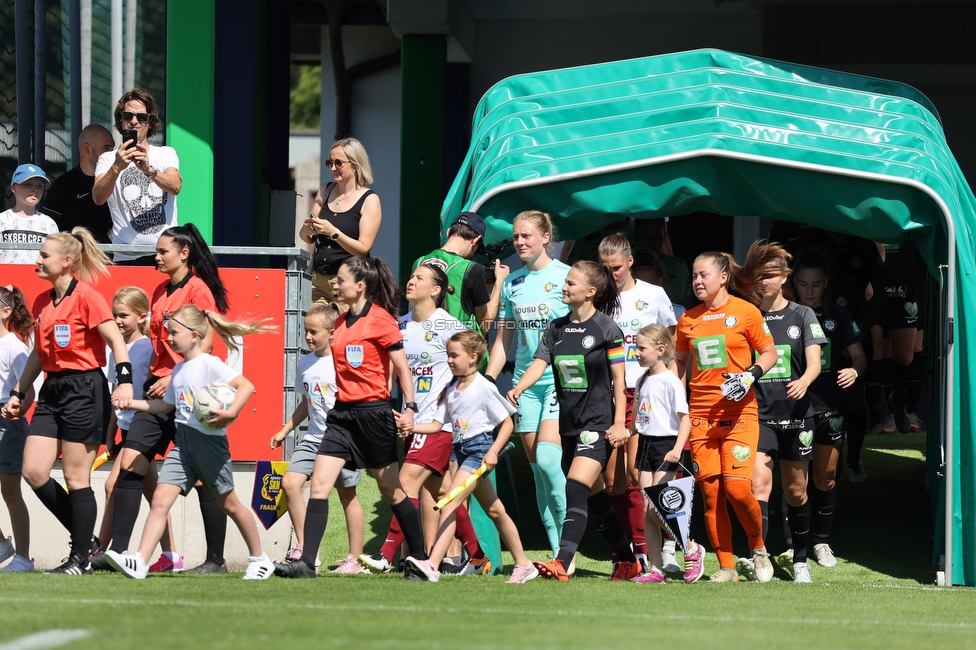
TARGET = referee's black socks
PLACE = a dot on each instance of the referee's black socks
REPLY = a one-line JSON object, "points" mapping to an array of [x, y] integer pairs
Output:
{"points": [[84, 511], [214, 525], [316, 519], [128, 499], [55, 499]]}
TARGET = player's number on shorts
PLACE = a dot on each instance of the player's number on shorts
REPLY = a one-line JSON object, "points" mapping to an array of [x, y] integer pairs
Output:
{"points": [[419, 439], [572, 373]]}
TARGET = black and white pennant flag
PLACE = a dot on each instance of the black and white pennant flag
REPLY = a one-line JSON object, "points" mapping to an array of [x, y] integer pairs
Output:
{"points": [[672, 502]]}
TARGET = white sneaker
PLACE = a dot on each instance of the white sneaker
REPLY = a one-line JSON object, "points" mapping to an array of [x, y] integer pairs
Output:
{"points": [[260, 569], [131, 565], [669, 562], [825, 555], [6, 550], [19, 565], [801, 573], [764, 568]]}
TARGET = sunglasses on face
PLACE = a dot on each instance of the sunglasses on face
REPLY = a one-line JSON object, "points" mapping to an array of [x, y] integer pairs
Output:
{"points": [[338, 164], [128, 115]]}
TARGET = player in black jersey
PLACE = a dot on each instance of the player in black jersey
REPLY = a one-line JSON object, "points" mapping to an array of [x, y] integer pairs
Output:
{"points": [[842, 360], [585, 350], [786, 422]]}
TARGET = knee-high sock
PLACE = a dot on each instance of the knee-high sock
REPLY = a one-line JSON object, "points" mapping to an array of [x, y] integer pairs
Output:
{"points": [[913, 396], [620, 504], [874, 392], [822, 512], [764, 509], [394, 536], [800, 528], [787, 527], [574, 525], [717, 521], [57, 501], [214, 525], [316, 519], [84, 511], [549, 457], [636, 514], [464, 531], [413, 532], [128, 500], [542, 501], [608, 523], [739, 494]]}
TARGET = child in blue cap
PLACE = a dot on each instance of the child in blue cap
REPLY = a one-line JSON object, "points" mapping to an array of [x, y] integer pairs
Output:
{"points": [[23, 222]]}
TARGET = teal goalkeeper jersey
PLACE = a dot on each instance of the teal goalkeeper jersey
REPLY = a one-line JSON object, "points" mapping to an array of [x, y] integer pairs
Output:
{"points": [[531, 300]]}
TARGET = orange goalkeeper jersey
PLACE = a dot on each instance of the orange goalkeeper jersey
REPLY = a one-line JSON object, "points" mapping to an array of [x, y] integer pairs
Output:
{"points": [[720, 340]]}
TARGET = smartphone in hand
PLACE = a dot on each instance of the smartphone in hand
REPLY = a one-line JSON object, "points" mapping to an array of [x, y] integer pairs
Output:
{"points": [[130, 134]]}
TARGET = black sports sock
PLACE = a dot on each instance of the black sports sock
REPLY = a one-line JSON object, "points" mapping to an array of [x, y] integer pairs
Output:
{"points": [[608, 523], [874, 393], [409, 517], [913, 395], [214, 525], [316, 519], [128, 499], [574, 525], [899, 397], [764, 509], [784, 510], [84, 511], [822, 512], [800, 528], [57, 501]]}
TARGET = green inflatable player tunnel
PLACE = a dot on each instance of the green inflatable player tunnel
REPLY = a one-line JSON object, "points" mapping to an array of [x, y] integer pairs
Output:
{"points": [[709, 130]]}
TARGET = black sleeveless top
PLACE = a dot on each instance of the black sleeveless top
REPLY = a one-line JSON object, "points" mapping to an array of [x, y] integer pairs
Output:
{"points": [[329, 254]]}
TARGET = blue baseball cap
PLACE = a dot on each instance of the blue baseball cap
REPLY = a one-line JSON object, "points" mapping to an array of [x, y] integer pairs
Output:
{"points": [[26, 172]]}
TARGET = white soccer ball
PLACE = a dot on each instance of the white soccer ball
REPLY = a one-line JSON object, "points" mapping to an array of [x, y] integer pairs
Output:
{"points": [[217, 395]]}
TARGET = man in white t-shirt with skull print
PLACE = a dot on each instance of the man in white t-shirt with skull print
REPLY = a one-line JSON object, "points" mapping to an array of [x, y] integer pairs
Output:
{"points": [[139, 181]]}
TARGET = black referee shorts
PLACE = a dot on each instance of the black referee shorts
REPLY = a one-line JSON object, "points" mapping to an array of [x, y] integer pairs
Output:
{"points": [[74, 406], [361, 433]]}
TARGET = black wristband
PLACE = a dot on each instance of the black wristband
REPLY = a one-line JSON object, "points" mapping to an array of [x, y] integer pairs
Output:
{"points": [[756, 370], [412, 406], [123, 373], [18, 394]]}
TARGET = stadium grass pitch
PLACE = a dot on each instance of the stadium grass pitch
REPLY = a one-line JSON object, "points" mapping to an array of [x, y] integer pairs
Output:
{"points": [[879, 596]]}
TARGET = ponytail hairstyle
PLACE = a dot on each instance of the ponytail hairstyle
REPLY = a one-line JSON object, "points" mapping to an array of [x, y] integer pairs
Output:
{"points": [[21, 322], [135, 299], [766, 260], [542, 223], [328, 312], [192, 318], [440, 280], [600, 277], [87, 259], [472, 343], [659, 335], [742, 281], [813, 261], [380, 285], [200, 260]]}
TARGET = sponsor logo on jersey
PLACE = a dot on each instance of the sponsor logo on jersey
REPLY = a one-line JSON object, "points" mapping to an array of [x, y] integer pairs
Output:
{"points": [[519, 280], [640, 305], [855, 328], [62, 335], [355, 355], [575, 330], [543, 309], [433, 261], [424, 384], [429, 336], [713, 316], [549, 287]]}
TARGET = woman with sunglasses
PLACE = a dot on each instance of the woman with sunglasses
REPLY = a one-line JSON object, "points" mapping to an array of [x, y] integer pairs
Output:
{"points": [[139, 181], [345, 217]]}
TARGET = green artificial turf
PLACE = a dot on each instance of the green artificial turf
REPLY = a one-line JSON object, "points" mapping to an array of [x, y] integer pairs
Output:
{"points": [[879, 596]]}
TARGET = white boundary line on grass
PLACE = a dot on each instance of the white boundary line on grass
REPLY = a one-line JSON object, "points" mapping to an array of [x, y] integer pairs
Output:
{"points": [[494, 611], [46, 639]]}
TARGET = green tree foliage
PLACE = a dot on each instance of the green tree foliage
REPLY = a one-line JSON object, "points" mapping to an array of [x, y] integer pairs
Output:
{"points": [[306, 97]]}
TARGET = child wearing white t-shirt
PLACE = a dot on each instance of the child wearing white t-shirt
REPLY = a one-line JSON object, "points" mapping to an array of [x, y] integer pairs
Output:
{"points": [[23, 223]]}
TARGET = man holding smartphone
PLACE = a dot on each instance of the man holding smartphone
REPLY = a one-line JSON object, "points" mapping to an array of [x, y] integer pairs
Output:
{"points": [[139, 181]]}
